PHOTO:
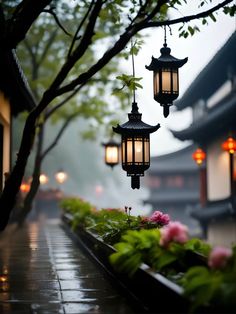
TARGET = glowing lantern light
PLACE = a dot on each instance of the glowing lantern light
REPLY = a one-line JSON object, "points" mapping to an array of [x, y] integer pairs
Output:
{"points": [[199, 156], [229, 145], [111, 153], [166, 77], [25, 187], [135, 149], [43, 179], [61, 176]]}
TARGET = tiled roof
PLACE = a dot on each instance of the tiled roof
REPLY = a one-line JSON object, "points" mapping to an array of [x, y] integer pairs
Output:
{"points": [[14, 84], [214, 211], [212, 76], [180, 161], [221, 118]]}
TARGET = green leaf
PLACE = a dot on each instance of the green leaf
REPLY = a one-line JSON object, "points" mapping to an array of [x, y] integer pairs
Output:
{"points": [[212, 16], [191, 30]]}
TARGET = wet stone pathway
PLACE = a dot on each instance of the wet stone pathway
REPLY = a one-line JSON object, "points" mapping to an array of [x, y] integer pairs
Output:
{"points": [[43, 271]]}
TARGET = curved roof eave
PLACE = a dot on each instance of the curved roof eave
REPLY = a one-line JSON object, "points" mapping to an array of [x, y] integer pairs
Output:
{"points": [[219, 119], [216, 72]]}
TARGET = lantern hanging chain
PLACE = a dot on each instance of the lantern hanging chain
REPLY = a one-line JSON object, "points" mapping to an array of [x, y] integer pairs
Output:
{"points": [[132, 56], [165, 44]]}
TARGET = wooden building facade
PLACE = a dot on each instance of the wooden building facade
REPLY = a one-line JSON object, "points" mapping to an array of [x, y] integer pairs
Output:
{"points": [[212, 98], [15, 97]]}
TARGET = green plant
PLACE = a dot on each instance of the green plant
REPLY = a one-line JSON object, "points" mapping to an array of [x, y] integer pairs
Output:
{"points": [[216, 286], [80, 210], [111, 223], [133, 250], [208, 275]]}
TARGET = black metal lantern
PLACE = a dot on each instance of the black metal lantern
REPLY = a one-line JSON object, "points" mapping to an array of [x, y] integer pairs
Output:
{"points": [[111, 153], [135, 148], [166, 77]]}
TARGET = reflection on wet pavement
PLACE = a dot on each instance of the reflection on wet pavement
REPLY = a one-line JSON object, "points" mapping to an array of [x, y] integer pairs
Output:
{"points": [[43, 271]]}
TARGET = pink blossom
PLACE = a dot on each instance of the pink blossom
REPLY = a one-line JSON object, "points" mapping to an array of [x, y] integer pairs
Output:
{"points": [[219, 256], [175, 231], [160, 218]]}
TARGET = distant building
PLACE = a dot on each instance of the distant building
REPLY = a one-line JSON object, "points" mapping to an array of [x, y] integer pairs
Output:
{"points": [[212, 98], [14, 98], [173, 181]]}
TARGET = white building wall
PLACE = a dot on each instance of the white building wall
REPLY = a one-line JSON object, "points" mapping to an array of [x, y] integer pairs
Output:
{"points": [[218, 176]]}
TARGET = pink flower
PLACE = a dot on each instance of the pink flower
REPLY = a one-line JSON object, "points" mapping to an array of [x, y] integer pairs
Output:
{"points": [[160, 218], [175, 231], [219, 256]]}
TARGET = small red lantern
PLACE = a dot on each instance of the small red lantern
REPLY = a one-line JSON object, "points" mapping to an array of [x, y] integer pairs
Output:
{"points": [[229, 145], [25, 187], [199, 156]]}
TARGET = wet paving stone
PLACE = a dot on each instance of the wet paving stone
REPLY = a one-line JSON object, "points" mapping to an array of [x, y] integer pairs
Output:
{"points": [[42, 271]]}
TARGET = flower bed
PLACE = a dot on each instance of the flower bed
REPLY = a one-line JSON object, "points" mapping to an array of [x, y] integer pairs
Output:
{"points": [[154, 259]]}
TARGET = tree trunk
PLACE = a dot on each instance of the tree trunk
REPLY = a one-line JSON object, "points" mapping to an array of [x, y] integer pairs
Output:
{"points": [[12, 184], [35, 183]]}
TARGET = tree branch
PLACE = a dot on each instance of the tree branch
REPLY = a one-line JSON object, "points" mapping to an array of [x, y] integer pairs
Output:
{"points": [[189, 18], [50, 11], [80, 50], [79, 28], [124, 39], [23, 17], [64, 101], [62, 130]]}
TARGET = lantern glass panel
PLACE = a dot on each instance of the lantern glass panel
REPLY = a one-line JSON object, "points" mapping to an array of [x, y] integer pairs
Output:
{"points": [[156, 85], [146, 151], [112, 154], [129, 150], [166, 81], [175, 81], [123, 151], [138, 148]]}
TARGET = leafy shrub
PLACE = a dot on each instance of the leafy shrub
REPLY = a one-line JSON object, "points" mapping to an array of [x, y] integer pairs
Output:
{"points": [[109, 223], [80, 210], [146, 244], [208, 275]]}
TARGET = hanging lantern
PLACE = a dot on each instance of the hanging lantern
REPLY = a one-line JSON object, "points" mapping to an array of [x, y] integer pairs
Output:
{"points": [[111, 153], [166, 77], [135, 148], [229, 145], [61, 176], [199, 156]]}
